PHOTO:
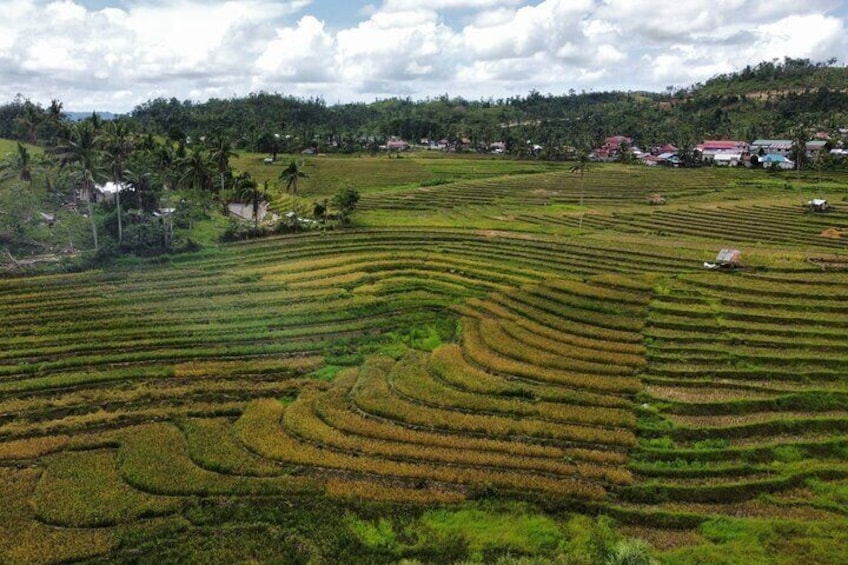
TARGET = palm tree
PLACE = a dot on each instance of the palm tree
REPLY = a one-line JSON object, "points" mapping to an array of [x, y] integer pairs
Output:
{"points": [[82, 152], [165, 158], [247, 190], [119, 145], [291, 174], [29, 121], [20, 165], [195, 169], [54, 121], [222, 150], [581, 167]]}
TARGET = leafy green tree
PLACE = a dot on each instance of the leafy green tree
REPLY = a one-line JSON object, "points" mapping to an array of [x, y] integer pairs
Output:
{"points": [[346, 200], [319, 210], [268, 143], [17, 212]]}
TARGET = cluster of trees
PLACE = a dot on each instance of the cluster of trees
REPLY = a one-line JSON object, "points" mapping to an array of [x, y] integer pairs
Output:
{"points": [[136, 192], [776, 75], [767, 100]]}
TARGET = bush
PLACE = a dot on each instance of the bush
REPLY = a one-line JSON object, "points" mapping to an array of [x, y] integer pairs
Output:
{"points": [[630, 552]]}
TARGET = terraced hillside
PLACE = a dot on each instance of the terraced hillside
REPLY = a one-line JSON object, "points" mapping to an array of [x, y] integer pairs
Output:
{"points": [[320, 388], [739, 224], [611, 186]]}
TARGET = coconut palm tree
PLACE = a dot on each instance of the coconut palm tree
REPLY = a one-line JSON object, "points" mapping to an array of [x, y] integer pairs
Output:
{"points": [[54, 121], [196, 170], [19, 165], [119, 144], [580, 168], [82, 153], [291, 174], [247, 190], [165, 160], [221, 152], [29, 121]]}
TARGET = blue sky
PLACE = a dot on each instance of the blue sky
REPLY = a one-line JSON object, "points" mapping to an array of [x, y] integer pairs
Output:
{"points": [[115, 54]]}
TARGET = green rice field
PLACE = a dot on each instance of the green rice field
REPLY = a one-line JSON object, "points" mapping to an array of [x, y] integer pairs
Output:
{"points": [[479, 370]]}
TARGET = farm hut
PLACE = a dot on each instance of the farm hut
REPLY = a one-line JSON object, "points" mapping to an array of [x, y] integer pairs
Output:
{"points": [[656, 199], [818, 205], [245, 211], [106, 192], [728, 257]]}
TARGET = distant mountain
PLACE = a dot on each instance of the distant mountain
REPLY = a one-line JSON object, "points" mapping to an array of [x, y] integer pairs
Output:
{"points": [[79, 116]]}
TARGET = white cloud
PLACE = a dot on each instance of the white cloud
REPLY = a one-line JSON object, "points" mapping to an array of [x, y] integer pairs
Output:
{"points": [[303, 53], [404, 5], [395, 46], [121, 55]]}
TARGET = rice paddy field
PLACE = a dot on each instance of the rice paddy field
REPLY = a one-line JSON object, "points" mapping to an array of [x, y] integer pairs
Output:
{"points": [[479, 370]]}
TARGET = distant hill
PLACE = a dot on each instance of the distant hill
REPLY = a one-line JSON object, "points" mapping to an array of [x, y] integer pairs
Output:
{"points": [[79, 116], [772, 78]]}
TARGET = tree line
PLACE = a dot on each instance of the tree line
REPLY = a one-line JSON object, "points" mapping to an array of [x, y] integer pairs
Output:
{"points": [[766, 100]]}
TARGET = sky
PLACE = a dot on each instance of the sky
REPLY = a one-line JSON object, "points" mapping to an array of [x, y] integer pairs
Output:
{"points": [[111, 55]]}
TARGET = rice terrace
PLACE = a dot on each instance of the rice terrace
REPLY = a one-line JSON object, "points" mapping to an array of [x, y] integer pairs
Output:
{"points": [[476, 370]]}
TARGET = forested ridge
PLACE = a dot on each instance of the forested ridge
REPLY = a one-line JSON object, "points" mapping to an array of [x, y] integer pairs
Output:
{"points": [[771, 99]]}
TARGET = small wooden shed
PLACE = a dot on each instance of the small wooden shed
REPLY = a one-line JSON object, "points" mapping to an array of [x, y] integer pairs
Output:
{"points": [[728, 258], [818, 205]]}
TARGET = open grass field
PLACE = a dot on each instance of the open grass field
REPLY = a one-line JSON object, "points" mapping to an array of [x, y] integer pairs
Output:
{"points": [[479, 369]]}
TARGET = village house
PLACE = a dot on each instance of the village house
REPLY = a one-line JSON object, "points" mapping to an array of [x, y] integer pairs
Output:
{"points": [[660, 149], [396, 145], [728, 159], [611, 147], [776, 160], [771, 147], [729, 151], [814, 148], [670, 159]]}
